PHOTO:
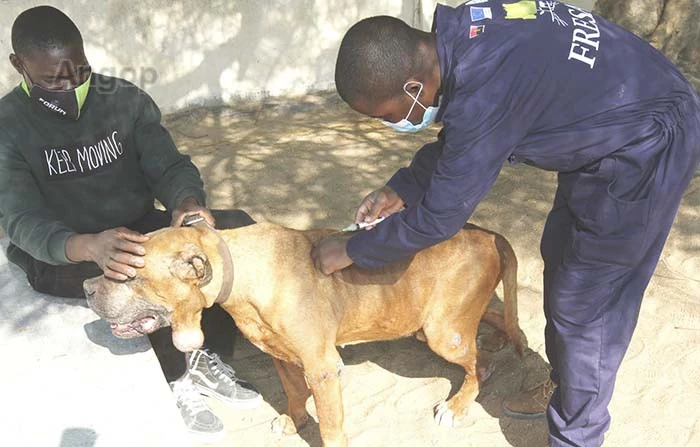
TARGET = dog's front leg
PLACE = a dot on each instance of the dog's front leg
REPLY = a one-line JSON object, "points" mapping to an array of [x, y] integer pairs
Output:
{"points": [[323, 376], [297, 392]]}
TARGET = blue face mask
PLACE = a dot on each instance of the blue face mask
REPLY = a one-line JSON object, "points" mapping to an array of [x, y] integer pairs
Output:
{"points": [[428, 116]]}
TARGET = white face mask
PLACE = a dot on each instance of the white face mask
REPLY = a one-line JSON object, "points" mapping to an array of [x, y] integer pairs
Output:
{"points": [[428, 116]]}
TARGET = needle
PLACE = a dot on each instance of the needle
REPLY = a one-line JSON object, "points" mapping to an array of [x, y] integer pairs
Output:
{"points": [[361, 225]]}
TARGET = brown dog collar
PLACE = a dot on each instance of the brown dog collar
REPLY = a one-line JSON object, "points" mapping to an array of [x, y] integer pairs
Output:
{"points": [[227, 265], [224, 253]]}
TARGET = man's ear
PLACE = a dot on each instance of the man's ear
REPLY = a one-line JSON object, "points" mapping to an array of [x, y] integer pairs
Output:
{"points": [[414, 85], [191, 264], [16, 63]]}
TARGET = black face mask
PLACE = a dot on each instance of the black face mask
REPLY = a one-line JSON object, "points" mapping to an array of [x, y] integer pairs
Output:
{"points": [[62, 103]]}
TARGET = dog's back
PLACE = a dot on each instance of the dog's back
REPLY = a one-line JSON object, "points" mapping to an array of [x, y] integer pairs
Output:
{"points": [[454, 278]]}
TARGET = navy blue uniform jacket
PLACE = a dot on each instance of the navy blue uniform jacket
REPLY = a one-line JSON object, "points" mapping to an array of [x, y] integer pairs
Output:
{"points": [[542, 83]]}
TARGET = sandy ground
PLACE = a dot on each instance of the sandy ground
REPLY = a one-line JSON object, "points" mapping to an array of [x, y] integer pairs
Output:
{"points": [[308, 162]]}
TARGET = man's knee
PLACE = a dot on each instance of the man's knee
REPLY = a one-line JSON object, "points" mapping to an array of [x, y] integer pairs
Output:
{"points": [[57, 280], [227, 219], [581, 292], [20, 258]]}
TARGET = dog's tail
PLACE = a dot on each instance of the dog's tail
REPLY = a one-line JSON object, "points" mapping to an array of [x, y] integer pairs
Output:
{"points": [[509, 278]]}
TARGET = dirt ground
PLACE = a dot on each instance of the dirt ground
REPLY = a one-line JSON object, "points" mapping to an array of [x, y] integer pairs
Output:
{"points": [[308, 162]]}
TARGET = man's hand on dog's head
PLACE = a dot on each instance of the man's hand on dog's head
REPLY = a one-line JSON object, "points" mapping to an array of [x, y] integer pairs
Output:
{"points": [[117, 251]]}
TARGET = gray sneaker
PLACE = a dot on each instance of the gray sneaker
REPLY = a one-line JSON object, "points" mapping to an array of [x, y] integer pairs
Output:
{"points": [[214, 378], [199, 420]]}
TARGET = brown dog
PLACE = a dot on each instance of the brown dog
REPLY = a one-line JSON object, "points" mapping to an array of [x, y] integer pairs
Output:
{"points": [[283, 305]]}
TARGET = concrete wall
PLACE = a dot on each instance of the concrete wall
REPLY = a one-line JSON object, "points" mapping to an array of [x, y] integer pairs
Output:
{"points": [[194, 52]]}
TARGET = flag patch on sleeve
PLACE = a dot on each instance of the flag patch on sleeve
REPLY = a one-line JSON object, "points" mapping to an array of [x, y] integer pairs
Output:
{"points": [[476, 30], [478, 13]]}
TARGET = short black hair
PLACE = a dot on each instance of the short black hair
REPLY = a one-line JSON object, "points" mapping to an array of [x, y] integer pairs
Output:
{"points": [[376, 57], [43, 28]]}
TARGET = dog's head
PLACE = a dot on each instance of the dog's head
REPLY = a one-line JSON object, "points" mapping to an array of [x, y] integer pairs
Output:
{"points": [[173, 287]]}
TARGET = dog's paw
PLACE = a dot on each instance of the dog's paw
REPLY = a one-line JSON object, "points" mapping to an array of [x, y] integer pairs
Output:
{"points": [[283, 424], [444, 416]]}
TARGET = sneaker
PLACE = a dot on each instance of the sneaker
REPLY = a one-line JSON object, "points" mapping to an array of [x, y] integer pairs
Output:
{"points": [[214, 378], [199, 420], [530, 404]]}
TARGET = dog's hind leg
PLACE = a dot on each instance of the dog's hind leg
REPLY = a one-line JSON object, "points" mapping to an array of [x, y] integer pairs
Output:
{"points": [[294, 384], [455, 341]]}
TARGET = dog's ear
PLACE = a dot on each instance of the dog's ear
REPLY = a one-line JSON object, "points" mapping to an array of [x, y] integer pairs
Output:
{"points": [[191, 264]]}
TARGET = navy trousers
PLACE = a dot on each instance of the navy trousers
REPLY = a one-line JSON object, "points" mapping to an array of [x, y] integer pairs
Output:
{"points": [[601, 243]]}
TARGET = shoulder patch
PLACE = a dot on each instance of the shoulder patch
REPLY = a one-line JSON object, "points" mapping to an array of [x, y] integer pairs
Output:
{"points": [[476, 30], [479, 13]]}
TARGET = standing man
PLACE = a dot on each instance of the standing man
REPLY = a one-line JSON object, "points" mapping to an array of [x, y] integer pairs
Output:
{"points": [[557, 87], [82, 157]]}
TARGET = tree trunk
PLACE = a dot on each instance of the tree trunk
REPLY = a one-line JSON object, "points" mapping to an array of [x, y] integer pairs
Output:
{"points": [[671, 26]]}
